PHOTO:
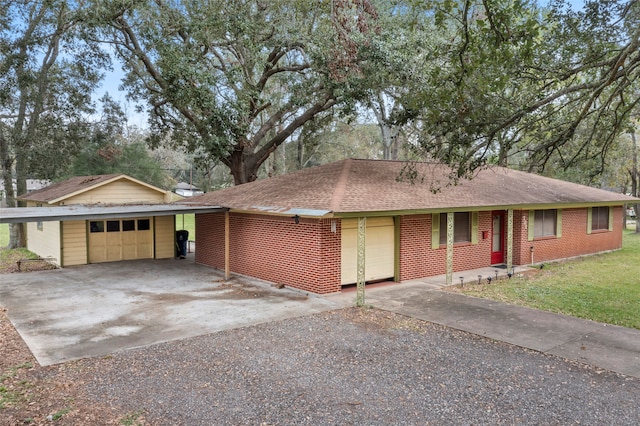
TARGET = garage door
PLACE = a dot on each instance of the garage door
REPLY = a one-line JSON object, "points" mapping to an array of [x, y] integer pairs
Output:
{"points": [[120, 239], [379, 250]]}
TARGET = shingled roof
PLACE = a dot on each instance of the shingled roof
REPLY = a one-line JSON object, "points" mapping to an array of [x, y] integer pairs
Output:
{"points": [[352, 186], [76, 185]]}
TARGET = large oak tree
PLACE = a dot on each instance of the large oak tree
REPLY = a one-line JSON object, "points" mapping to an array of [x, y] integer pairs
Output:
{"points": [[233, 80]]}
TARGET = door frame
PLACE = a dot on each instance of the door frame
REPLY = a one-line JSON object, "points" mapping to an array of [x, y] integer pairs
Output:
{"points": [[498, 257]]}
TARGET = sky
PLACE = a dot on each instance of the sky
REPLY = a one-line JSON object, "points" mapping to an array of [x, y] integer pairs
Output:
{"points": [[111, 84]]}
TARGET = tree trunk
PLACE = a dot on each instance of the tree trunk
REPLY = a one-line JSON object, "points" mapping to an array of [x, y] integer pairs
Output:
{"points": [[385, 133], [635, 176], [16, 234], [395, 146], [390, 138], [502, 156], [242, 167], [17, 237], [300, 153]]}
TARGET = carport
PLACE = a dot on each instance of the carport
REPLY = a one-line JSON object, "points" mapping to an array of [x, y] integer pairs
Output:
{"points": [[75, 212], [135, 225], [96, 309]]}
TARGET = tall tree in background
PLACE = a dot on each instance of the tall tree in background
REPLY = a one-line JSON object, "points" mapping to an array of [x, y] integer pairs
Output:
{"points": [[401, 56], [112, 147], [47, 75], [634, 171], [518, 79], [233, 80]]}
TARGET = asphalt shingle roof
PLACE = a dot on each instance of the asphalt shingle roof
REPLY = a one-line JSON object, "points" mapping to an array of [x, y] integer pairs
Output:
{"points": [[350, 186], [65, 188]]}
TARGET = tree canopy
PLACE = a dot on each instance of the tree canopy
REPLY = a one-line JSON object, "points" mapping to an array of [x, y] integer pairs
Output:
{"points": [[111, 147], [545, 88], [48, 71], [530, 83], [233, 80]]}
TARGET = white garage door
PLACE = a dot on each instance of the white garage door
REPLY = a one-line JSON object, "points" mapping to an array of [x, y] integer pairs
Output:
{"points": [[379, 249], [120, 239]]}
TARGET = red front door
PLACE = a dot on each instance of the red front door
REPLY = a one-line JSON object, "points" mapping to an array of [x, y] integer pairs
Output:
{"points": [[497, 237]]}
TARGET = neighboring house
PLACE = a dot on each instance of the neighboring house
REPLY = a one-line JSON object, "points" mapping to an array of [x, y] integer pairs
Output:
{"points": [[187, 190], [32, 185], [304, 229], [100, 238]]}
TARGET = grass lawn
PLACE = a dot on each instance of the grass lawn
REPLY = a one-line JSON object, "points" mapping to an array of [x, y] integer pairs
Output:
{"points": [[4, 234], [188, 222], [603, 288]]}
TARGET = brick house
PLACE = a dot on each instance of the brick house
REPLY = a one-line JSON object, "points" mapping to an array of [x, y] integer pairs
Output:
{"points": [[305, 229]]}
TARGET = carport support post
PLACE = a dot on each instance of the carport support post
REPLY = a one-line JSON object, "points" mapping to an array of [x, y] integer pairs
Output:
{"points": [[450, 219], [509, 239], [227, 273], [362, 231]]}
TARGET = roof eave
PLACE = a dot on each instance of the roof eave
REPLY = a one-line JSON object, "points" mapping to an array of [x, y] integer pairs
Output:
{"points": [[285, 211], [539, 206], [79, 212]]}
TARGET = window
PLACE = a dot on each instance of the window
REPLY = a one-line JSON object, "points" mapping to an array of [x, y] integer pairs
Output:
{"points": [[129, 225], [96, 226], [113, 226], [599, 218], [143, 225], [545, 222], [461, 228]]}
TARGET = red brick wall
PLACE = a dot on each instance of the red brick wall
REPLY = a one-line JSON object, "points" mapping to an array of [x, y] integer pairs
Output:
{"points": [[574, 240], [210, 239], [418, 259], [305, 255]]}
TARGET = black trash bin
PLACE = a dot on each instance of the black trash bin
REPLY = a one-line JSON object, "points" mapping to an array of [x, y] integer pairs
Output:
{"points": [[182, 238]]}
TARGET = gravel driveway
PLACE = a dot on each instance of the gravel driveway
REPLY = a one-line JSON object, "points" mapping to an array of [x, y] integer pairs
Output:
{"points": [[356, 367]]}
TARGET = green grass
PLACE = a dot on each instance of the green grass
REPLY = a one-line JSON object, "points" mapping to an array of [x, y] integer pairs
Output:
{"points": [[604, 288], [4, 234], [188, 222], [15, 393], [59, 414], [16, 254], [131, 419]]}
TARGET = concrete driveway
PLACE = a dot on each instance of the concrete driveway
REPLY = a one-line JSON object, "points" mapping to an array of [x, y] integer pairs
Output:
{"points": [[95, 310]]}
